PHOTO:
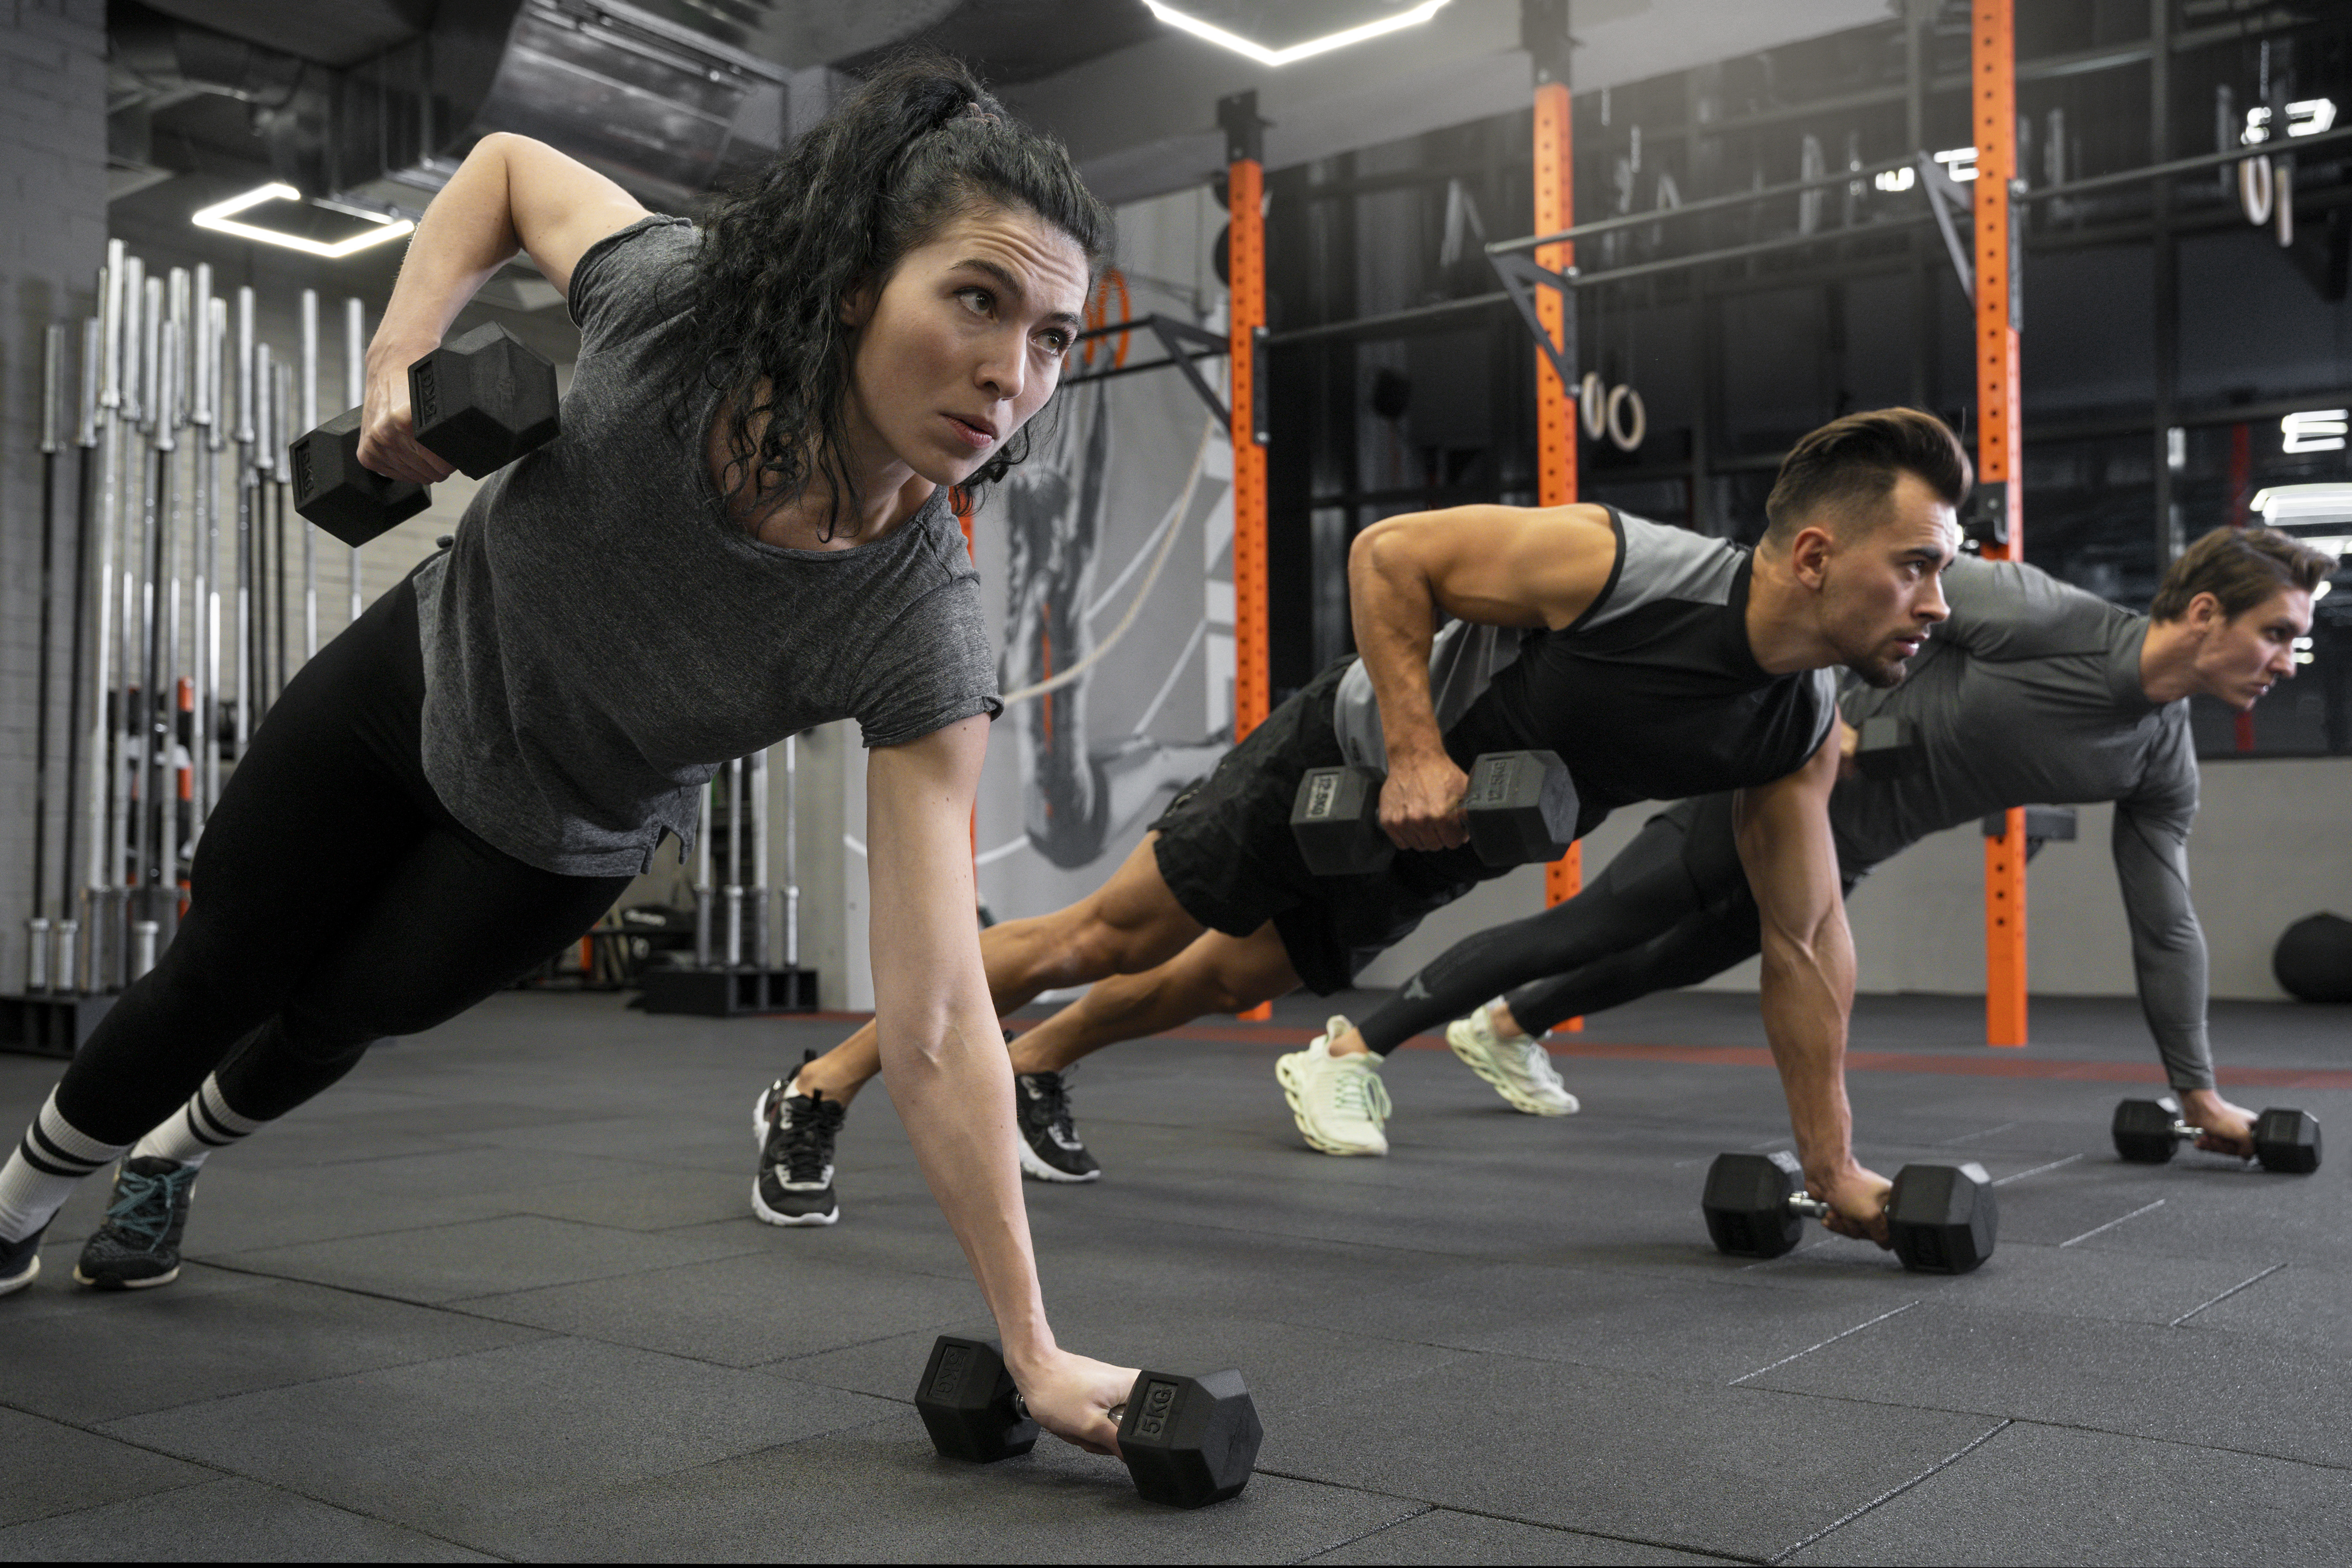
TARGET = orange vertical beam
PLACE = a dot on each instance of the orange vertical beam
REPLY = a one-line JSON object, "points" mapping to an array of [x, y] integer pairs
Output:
{"points": [[1555, 431], [1246, 311], [1245, 268], [1993, 90]]}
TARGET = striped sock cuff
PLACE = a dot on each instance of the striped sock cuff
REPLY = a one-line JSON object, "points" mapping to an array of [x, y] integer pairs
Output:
{"points": [[53, 1145], [212, 1120]]}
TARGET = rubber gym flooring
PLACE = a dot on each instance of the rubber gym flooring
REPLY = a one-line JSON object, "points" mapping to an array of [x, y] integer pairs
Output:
{"points": [[499, 1295]]}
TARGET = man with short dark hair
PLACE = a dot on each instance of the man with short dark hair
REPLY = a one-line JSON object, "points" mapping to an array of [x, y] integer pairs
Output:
{"points": [[1654, 662], [2032, 692]]}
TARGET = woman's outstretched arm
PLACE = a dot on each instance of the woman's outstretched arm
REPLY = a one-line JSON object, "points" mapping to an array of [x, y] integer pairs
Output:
{"points": [[944, 1061], [510, 194]]}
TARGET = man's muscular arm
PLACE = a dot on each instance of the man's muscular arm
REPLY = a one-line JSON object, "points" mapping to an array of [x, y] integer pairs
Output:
{"points": [[1808, 989], [1505, 566]]}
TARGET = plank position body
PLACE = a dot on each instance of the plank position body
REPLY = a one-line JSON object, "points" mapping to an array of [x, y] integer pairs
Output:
{"points": [[742, 531], [2032, 691], [1648, 657]]}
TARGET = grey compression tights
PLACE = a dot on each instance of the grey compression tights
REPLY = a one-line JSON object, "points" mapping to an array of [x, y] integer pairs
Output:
{"points": [[334, 901], [1673, 908]]}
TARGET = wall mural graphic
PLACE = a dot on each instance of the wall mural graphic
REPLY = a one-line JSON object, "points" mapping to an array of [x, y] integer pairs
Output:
{"points": [[1081, 790]]}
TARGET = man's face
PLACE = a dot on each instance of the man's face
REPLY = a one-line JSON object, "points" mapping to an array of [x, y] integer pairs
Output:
{"points": [[1881, 579], [966, 341], [2238, 660]]}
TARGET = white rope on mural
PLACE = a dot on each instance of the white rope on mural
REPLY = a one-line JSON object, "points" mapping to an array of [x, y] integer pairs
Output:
{"points": [[1183, 504], [1184, 662]]}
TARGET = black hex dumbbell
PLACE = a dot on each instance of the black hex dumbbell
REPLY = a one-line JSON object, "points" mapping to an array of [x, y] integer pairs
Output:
{"points": [[1888, 747], [479, 400], [1187, 1441], [1941, 1218], [1521, 807], [2148, 1131]]}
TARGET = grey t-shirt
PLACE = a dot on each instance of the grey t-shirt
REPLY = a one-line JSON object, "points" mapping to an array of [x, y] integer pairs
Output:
{"points": [[2032, 693], [602, 637]]}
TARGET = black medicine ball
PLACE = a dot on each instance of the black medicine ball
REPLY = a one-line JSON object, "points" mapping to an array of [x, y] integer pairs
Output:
{"points": [[2314, 961]]}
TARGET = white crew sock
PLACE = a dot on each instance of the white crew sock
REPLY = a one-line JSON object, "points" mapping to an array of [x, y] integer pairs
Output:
{"points": [[49, 1163], [196, 1129]]}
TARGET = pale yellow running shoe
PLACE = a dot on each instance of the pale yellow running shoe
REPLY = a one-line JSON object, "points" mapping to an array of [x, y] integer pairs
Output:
{"points": [[1339, 1102], [1517, 1064]]}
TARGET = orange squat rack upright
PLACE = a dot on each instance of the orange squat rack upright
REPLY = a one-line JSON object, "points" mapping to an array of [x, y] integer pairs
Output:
{"points": [[1245, 270], [1993, 90], [1548, 43]]}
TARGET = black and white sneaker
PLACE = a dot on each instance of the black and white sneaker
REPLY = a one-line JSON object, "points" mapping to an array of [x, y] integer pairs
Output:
{"points": [[1050, 1149], [20, 1262], [138, 1247], [794, 1186]]}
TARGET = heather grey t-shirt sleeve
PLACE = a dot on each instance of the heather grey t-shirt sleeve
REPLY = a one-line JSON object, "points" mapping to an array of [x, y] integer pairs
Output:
{"points": [[2004, 611], [2151, 850], [631, 280], [929, 669]]}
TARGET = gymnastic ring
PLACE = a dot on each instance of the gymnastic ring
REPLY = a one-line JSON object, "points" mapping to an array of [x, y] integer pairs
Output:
{"points": [[1591, 398], [2254, 190], [1629, 438]]}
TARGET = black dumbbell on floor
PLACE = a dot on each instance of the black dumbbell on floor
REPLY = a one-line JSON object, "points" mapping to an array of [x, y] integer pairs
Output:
{"points": [[1888, 747], [1521, 807], [1941, 1218], [479, 402], [1187, 1441], [2148, 1131]]}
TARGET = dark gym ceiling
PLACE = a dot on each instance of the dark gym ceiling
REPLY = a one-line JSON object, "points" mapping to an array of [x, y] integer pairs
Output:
{"points": [[1009, 41]]}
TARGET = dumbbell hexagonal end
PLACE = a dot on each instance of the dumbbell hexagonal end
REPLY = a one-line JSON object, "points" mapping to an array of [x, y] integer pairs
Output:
{"points": [[1522, 807], [349, 501], [1746, 1202], [1335, 821], [483, 399], [2142, 1131], [2287, 1141], [1190, 1441], [1943, 1219], [967, 1402]]}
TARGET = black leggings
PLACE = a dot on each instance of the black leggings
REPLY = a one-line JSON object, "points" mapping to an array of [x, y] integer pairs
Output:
{"points": [[334, 901], [1673, 908]]}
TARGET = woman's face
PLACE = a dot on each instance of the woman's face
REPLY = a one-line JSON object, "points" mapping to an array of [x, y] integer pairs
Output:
{"points": [[966, 340]]}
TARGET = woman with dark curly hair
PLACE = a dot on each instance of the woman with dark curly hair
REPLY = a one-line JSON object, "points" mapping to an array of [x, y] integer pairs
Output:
{"points": [[742, 531]]}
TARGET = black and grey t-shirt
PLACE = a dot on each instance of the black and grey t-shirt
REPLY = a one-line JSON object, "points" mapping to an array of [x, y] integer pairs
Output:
{"points": [[601, 636], [1653, 693]]}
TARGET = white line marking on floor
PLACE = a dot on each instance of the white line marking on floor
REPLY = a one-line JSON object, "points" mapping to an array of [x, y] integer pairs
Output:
{"points": [[1831, 1341], [2037, 1170], [2224, 1295], [1889, 1495], [2111, 1225], [1972, 1136]]}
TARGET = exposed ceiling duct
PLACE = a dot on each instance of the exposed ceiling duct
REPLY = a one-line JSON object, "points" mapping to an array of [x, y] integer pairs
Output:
{"points": [[669, 99]]}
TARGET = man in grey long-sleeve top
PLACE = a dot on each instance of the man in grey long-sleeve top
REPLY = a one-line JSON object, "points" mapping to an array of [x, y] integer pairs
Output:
{"points": [[2032, 691]]}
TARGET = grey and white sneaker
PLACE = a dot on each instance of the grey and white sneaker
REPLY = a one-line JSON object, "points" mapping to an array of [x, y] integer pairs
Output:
{"points": [[1050, 1148], [20, 1262], [138, 1247], [1339, 1102], [1518, 1066], [794, 1185]]}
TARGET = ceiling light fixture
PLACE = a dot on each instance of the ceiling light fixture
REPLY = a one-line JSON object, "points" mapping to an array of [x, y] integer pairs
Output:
{"points": [[1411, 18], [221, 217]]}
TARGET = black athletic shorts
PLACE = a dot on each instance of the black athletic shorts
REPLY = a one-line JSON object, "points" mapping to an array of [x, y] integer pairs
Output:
{"points": [[1227, 852]]}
